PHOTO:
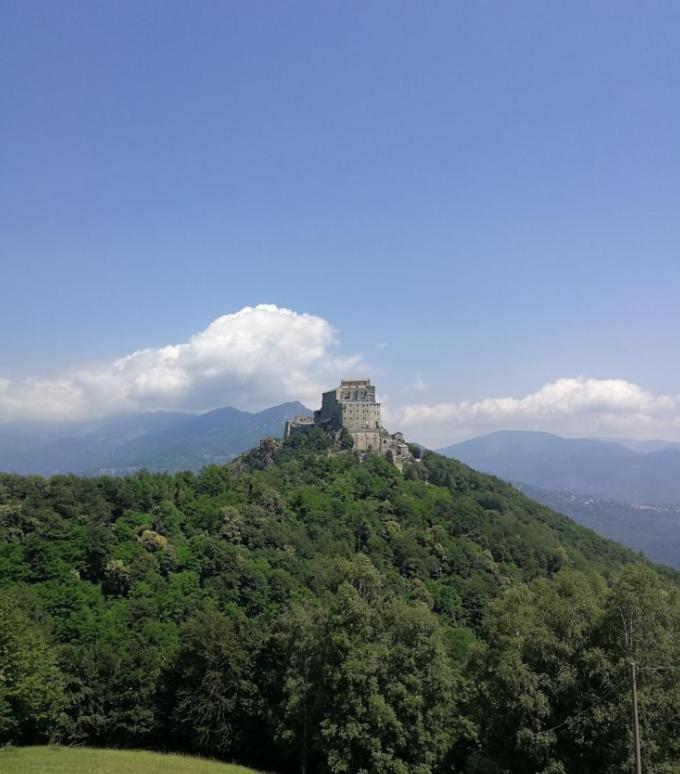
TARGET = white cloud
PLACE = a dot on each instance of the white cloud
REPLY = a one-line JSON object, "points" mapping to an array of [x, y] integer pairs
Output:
{"points": [[251, 359], [573, 407], [263, 355]]}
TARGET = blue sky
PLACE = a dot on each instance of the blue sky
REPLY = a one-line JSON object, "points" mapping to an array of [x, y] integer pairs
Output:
{"points": [[480, 198]]}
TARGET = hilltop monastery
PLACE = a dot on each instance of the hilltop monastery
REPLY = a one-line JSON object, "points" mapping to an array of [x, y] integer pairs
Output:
{"points": [[352, 407]]}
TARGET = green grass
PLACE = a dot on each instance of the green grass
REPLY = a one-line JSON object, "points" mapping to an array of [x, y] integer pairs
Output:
{"points": [[82, 760]]}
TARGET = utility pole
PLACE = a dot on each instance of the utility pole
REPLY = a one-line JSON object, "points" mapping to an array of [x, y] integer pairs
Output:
{"points": [[636, 724]]}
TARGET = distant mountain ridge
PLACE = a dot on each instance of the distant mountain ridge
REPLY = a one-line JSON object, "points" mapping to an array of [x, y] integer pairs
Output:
{"points": [[162, 440], [212, 438], [643, 446], [597, 467]]}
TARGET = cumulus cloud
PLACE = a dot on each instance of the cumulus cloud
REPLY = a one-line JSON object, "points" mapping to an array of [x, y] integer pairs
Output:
{"points": [[251, 359], [263, 355], [573, 407]]}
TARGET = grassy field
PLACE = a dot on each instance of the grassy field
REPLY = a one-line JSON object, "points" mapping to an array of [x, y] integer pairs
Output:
{"points": [[82, 760]]}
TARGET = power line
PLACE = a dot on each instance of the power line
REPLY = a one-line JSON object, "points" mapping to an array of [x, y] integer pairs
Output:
{"points": [[608, 694], [584, 710], [636, 725]]}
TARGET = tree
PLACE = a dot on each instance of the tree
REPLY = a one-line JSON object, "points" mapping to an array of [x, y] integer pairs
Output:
{"points": [[345, 440], [31, 685], [294, 680], [216, 703], [112, 688], [642, 625], [541, 671], [371, 689]]}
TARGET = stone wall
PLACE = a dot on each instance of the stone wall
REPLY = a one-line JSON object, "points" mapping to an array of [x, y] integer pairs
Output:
{"points": [[360, 416], [366, 441]]}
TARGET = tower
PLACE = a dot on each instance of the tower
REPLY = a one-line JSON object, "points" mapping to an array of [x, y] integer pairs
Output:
{"points": [[352, 406]]}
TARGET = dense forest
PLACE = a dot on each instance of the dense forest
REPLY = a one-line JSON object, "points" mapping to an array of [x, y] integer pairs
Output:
{"points": [[302, 611]]}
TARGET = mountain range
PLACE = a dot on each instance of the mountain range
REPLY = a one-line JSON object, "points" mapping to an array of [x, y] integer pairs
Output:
{"points": [[604, 468], [169, 441], [625, 490]]}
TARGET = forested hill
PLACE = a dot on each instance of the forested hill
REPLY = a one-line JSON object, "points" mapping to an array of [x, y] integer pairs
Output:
{"points": [[299, 611]]}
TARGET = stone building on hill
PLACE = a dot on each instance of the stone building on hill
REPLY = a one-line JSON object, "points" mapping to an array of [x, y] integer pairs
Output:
{"points": [[352, 407]]}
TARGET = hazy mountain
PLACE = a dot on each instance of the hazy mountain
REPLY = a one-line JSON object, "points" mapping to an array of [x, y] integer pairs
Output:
{"points": [[644, 446], [653, 529], [603, 468], [155, 440], [74, 447], [215, 437]]}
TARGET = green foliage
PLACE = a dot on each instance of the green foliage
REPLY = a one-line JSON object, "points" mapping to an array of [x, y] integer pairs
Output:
{"points": [[416, 450], [385, 684], [307, 611], [215, 704], [367, 684], [345, 440], [31, 686], [314, 439]]}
